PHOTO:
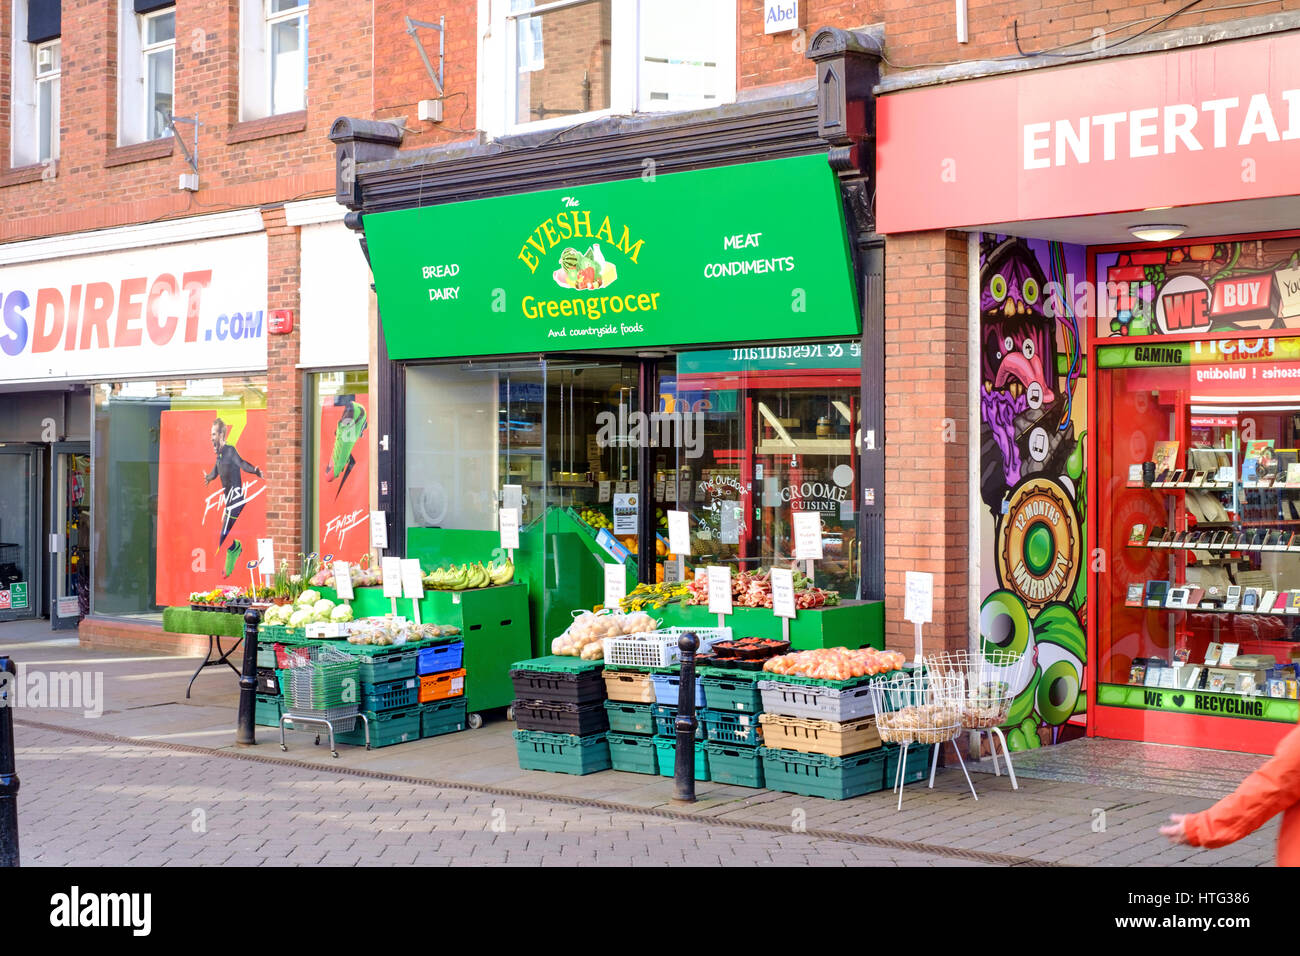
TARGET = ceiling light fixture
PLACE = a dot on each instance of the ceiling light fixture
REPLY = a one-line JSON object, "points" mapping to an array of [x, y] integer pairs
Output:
{"points": [[1157, 232]]}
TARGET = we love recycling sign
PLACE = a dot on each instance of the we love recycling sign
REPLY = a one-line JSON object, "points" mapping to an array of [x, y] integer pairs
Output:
{"points": [[676, 258], [1207, 703]]}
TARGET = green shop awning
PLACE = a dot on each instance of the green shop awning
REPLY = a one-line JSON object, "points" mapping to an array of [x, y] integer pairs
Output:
{"points": [[754, 252]]}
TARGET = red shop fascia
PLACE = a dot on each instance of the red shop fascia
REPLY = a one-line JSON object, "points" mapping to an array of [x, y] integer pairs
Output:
{"points": [[1184, 339]]}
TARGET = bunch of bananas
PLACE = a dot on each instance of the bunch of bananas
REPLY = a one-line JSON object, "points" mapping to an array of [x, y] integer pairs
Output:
{"points": [[467, 576]]}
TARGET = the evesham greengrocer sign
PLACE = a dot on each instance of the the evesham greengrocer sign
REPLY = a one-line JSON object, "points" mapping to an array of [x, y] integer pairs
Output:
{"points": [[756, 251]]}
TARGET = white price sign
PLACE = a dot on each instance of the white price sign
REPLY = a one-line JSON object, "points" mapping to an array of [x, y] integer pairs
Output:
{"points": [[679, 533], [672, 572], [730, 514], [701, 494], [265, 556], [509, 528], [378, 531], [512, 496], [918, 605], [620, 487], [602, 495], [391, 568], [412, 579], [807, 534], [783, 592], [615, 585], [659, 491], [719, 590], [343, 580]]}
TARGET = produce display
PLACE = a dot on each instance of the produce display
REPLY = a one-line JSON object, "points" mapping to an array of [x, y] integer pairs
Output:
{"points": [[465, 577], [389, 630], [836, 663], [754, 589], [919, 723], [585, 636], [750, 648], [361, 577], [654, 595], [596, 519], [309, 608]]}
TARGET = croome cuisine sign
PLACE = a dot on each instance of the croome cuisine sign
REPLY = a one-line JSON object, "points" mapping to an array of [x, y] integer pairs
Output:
{"points": [[673, 259]]}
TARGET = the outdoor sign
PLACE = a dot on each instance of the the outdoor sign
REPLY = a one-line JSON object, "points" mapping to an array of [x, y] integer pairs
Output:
{"points": [[1204, 124], [647, 261], [176, 310]]}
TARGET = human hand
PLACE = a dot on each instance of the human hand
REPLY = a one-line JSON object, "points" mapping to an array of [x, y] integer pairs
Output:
{"points": [[1177, 828]]}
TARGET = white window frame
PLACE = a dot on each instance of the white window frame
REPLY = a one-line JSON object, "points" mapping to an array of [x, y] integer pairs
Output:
{"points": [[49, 80], [24, 117], [134, 110], [256, 20], [497, 80]]}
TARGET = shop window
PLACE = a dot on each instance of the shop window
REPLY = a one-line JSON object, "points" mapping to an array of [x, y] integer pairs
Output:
{"points": [[189, 450], [146, 65], [273, 58], [1199, 608], [557, 63], [36, 82], [338, 486]]}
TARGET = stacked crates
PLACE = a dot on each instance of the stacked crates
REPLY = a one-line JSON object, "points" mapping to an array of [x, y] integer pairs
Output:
{"points": [[820, 737], [633, 720], [732, 726], [441, 688], [560, 713]]}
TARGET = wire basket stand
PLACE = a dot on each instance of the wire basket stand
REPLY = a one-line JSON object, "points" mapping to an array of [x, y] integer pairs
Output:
{"points": [[988, 680], [321, 687], [921, 710]]}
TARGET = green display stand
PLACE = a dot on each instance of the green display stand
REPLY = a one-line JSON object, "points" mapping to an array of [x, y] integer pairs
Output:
{"points": [[184, 620], [852, 624], [494, 623]]}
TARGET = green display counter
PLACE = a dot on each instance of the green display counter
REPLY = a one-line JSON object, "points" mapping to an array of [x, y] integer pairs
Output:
{"points": [[852, 624], [494, 623]]}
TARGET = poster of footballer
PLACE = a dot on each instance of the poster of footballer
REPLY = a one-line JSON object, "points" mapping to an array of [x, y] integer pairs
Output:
{"points": [[343, 496]]}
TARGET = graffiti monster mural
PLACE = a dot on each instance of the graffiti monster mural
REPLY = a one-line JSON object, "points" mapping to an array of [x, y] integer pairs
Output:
{"points": [[1032, 414]]}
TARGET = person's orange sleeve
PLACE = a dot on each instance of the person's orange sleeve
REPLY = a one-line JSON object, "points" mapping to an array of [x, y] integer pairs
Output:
{"points": [[1268, 791]]}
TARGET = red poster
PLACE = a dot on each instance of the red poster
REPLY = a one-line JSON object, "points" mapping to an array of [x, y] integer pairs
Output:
{"points": [[343, 492], [211, 499]]}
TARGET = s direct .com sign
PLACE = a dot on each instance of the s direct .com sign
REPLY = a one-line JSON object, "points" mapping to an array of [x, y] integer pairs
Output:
{"points": [[182, 308]]}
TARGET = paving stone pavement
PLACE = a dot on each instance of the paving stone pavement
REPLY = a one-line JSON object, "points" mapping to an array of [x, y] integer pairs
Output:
{"points": [[101, 804], [123, 787]]}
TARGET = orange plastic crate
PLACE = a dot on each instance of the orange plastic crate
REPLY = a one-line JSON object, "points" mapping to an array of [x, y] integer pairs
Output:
{"points": [[442, 686]]}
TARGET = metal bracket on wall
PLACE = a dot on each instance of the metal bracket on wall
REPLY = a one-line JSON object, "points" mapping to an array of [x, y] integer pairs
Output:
{"points": [[413, 28], [191, 157]]}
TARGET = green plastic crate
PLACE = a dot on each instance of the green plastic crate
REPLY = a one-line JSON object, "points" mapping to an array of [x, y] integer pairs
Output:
{"points": [[740, 766], [266, 655], [442, 717], [558, 664], [625, 718], [667, 748], [267, 710], [817, 775], [562, 753], [379, 662], [737, 694], [387, 728], [391, 695], [633, 754], [917, 766]]}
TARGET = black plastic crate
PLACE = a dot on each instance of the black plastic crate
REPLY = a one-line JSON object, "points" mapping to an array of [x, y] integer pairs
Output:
{"points": [[584, 688], [561, 717], [267, 682]]}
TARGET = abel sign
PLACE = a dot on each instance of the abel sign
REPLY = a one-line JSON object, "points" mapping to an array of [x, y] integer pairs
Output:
{"points": [[658, 259], [1205, 124], [159, 311], [780, 16]]}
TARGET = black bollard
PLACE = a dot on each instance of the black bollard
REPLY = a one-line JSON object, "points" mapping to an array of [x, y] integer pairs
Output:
{"points": [[8, 770], [684, 771], [248, 680]]}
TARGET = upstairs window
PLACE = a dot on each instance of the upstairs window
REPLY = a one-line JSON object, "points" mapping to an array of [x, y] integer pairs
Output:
{"points": [[273, 72], [147, 67], [555, 63], [37, 61]]}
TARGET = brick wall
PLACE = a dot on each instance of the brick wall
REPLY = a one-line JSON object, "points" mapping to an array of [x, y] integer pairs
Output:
{"points": [[284, 432], [927, 477]]}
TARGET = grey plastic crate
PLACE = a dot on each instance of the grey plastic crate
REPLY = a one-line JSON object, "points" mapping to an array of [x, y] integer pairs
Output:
{"points": [[818, 703]]}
